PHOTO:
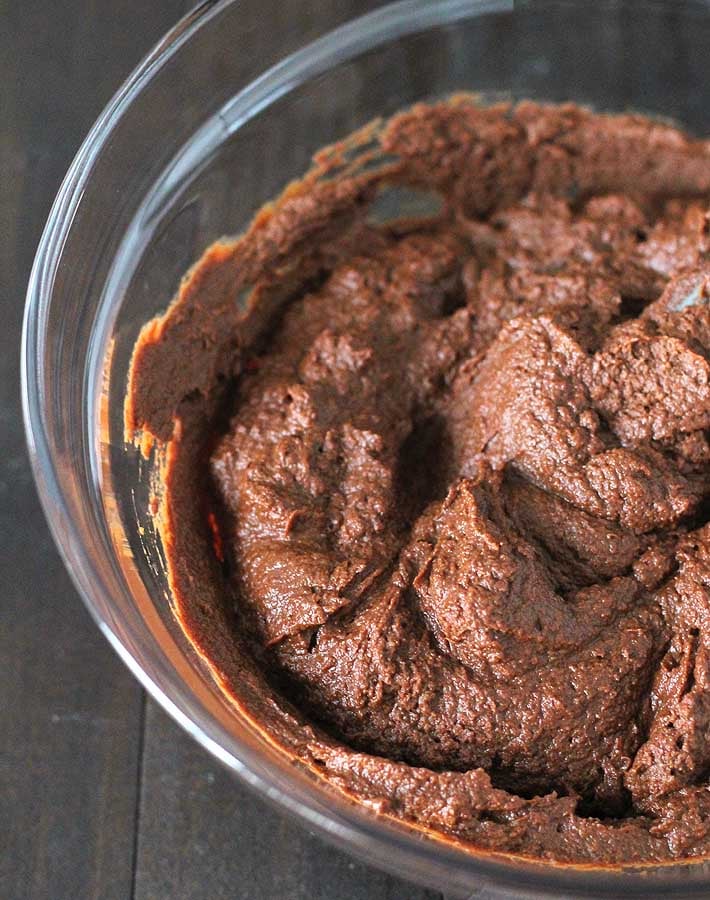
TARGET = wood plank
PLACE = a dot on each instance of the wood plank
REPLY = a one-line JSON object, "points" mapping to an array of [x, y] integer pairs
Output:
{"points": [[202, 834], [70, 718]]}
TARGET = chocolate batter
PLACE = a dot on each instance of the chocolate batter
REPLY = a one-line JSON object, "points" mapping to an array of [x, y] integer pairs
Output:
{"points": [[435, 494]]}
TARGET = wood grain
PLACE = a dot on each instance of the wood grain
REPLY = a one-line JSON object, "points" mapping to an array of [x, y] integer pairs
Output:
{"points": [[70, 714], [202, 834]]}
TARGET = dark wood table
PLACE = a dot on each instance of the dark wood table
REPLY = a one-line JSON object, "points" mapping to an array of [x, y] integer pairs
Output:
{"points": [[101, 795]]}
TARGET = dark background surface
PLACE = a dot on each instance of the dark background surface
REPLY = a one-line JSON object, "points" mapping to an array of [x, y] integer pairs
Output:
{"points": [[101, 795]]}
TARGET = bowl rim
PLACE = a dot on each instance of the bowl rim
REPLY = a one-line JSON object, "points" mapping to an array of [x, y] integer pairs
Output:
{"points": [[353, 829]]}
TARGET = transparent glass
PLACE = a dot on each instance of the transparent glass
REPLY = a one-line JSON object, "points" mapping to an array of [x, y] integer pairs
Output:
{"points": [[223, 113]]}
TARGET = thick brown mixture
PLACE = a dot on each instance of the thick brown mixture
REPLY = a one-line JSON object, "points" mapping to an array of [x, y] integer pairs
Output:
{"points": [[458, 558]]}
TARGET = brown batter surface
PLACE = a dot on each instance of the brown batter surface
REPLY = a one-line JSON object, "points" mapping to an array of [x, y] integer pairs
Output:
{"points": [[435, 500]]}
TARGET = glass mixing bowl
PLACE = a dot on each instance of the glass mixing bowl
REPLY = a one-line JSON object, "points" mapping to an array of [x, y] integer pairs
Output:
{"points": [[224, 112]]}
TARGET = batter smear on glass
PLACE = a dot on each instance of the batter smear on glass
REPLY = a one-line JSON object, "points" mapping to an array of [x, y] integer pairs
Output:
{"points": [[435, 490]]}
